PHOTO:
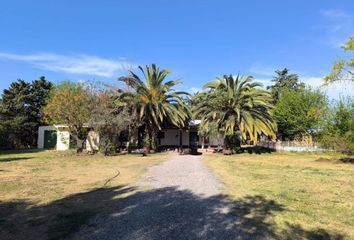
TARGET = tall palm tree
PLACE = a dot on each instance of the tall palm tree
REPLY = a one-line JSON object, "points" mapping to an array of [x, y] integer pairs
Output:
{"points": [[238, 106], [156, 102]]}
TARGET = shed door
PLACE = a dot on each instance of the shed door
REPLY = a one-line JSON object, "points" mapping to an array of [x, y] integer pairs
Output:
{"points": [[50, 139]]}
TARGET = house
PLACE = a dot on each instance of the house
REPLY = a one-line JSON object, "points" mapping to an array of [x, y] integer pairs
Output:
{"points": [[58, 138]]}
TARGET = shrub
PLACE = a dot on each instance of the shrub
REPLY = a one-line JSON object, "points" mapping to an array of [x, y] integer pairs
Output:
{"points": [[107, 147]]}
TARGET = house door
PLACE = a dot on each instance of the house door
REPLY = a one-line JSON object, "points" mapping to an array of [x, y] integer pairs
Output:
{"points": [[50, 139]]}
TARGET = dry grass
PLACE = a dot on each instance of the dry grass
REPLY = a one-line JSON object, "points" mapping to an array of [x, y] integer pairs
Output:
{"points": [[39, 190], [313, 194]]}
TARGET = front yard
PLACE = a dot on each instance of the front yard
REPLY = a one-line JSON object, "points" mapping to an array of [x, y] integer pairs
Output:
{"points": [[304, 197], [52, 194]]}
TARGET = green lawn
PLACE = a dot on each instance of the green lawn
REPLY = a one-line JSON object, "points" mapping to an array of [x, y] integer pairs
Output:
{"points": [[308, 198], [51, 194]]}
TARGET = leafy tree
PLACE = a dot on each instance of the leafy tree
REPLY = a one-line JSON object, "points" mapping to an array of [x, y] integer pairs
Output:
{"points": [[206, 129], [238, 107], [299, 112], [71, 104], [338, 129], [343, 70], [155, 101], [21, 112], [283, 81], [129, 105], [110, 119]]}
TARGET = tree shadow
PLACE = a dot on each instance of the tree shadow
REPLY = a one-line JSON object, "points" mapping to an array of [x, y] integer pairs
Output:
{"points": [[297, 232], [347, 160], [165, 213], [257, 150], [14, 159], [26, 150]]}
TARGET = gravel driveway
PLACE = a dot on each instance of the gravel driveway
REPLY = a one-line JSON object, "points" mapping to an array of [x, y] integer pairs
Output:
{"points": [[183, 202], [186, 172]]}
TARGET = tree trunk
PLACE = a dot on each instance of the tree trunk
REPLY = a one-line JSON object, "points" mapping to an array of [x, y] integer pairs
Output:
{"points": [[78, 134]]}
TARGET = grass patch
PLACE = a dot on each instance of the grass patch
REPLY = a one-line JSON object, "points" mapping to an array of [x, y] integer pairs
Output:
{"points": [[50, 195], [316, 196]]}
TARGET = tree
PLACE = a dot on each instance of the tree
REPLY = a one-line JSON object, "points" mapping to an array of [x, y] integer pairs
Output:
{"points": [[110, 119], [238, 107], [337, 132], [21, 112], [283, 81], [342, 70], [71, 104], [299, 112], [129, 105], [156, 102]]}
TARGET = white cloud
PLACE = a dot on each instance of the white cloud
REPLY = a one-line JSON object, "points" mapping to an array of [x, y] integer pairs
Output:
{"points": [[312, 81], [262, 71], [335, 13], [333, 91], [339, 26], [76, 64], [188, 89]]}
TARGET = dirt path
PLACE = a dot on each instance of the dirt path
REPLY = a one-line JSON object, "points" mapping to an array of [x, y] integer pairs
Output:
{"points": [[184, 203]]}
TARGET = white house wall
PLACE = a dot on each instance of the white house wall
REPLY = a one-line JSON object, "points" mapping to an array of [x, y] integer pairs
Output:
{"points": [[171, 137], [214, 141], [63, 140], [185, 138]]}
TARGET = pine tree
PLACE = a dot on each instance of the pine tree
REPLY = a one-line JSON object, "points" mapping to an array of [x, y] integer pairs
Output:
{"points": [[20, 112]]}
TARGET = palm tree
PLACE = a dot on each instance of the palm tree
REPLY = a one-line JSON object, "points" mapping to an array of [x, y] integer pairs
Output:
{"points": [[156, 102], [238, 107]]}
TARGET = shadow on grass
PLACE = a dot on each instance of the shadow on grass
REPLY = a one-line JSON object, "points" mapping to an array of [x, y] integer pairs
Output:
{"points": [[26, 150], [347, 160], [12, 159], [257, 150], [166, 213]]}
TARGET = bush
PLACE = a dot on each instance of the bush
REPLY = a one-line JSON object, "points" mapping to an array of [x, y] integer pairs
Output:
{"points": [[107, 147], [233, 143]]}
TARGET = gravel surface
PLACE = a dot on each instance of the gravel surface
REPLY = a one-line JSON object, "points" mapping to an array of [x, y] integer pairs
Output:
{"points": [[186, 172], [184, 202]]}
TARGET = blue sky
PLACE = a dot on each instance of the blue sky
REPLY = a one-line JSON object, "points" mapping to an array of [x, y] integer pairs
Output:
{"points": [[198, 40]]}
